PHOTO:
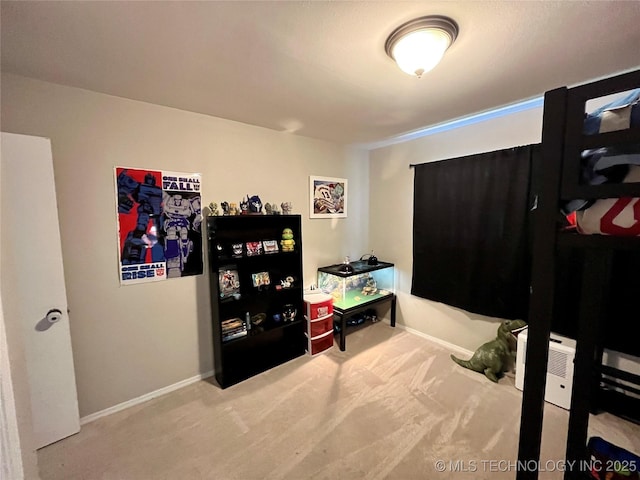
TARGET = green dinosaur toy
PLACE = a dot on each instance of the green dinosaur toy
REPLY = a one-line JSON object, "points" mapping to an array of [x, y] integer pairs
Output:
{"points": [[495, 357]]}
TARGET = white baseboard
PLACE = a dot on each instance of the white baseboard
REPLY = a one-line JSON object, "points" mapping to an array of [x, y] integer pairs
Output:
{"points": [[170, 388], [439, 341], [143, 398]]}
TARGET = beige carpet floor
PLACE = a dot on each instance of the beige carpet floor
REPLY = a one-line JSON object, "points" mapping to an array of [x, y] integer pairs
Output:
{"points": [[389, 407]]}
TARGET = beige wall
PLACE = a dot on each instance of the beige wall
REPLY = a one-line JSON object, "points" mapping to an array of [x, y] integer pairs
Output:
{"points": [[391, 216], [129, 341]]}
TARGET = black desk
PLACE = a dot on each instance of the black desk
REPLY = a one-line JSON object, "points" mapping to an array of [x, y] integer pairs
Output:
{"points": [[344, 314]]}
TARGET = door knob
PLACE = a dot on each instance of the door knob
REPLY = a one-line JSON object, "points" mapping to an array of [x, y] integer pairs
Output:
{"points": [[52, 316]]}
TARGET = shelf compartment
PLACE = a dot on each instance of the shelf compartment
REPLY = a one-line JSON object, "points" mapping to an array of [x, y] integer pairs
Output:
{"points": [[258, 353], [258, 330]]}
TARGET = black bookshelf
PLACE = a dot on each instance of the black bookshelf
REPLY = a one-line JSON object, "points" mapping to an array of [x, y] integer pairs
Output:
{"points": [[256, 294]]}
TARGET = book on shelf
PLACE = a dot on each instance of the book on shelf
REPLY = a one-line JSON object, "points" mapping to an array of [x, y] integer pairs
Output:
{"points": [[228, 281], [237, 249], [230, 331], [254, 248], [233, 328], [232, 336], [260, 279], [270, 246], [232, 323]]}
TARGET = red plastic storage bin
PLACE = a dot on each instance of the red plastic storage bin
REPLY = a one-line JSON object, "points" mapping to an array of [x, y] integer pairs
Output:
{"points": [[321, 343], [318, 305], [320, 326]]}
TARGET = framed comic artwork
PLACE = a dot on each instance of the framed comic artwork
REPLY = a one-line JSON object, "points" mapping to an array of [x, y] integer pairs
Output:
{"points": [[327, 197]]}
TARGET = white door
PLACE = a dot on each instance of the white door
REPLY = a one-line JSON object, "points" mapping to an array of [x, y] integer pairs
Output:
{"points": [[31, 231]]}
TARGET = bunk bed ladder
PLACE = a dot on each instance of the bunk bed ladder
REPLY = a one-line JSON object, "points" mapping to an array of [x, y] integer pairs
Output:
{"points": [[542, 283], [596, 272], [588, 359]]}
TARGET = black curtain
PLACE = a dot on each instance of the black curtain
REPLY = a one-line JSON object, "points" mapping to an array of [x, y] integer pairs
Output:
{"points": [[470, 232]]}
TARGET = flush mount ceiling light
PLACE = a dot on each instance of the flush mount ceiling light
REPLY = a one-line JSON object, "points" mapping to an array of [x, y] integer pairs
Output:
{"points": [[418, 45]]}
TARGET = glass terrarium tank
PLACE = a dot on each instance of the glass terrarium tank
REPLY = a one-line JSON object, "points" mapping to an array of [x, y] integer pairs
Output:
{"points": [[363, 283]]}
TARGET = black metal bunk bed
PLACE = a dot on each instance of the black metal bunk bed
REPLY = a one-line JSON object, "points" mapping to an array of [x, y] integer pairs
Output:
{"points": [[562, 144]]}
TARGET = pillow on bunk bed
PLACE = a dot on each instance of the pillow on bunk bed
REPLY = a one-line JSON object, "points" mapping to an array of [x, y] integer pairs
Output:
{"points": [[608, 164], [613, 216], [617, 115]]}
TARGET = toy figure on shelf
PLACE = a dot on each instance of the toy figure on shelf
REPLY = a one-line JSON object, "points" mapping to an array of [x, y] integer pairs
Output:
{"points": [[287, 242], [233, 209], [255, 205], [213, 209], [289, 312], [267, 209], [276, 210], [244, 207], [286, 208], [225, 208], [287, 282]]}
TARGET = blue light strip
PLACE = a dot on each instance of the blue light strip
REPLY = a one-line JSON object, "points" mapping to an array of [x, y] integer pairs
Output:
{"points": [[460, 122]]}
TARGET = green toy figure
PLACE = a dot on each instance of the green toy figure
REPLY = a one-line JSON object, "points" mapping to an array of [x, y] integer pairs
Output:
{"points": [[213, 209], [287, 242], [497, 356]]}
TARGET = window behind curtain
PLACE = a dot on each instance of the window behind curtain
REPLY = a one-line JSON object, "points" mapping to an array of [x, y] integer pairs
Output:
{"points": [[470, 232]]}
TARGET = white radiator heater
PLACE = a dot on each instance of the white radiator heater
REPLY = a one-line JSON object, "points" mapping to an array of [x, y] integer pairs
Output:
{"points": [[562, 352]]}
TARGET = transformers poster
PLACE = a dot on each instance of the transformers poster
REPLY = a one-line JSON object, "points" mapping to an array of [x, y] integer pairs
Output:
{"points": [[159, 225]]}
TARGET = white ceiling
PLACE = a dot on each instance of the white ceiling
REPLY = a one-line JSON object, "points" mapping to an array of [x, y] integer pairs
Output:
{"points": [[317, 68]]}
